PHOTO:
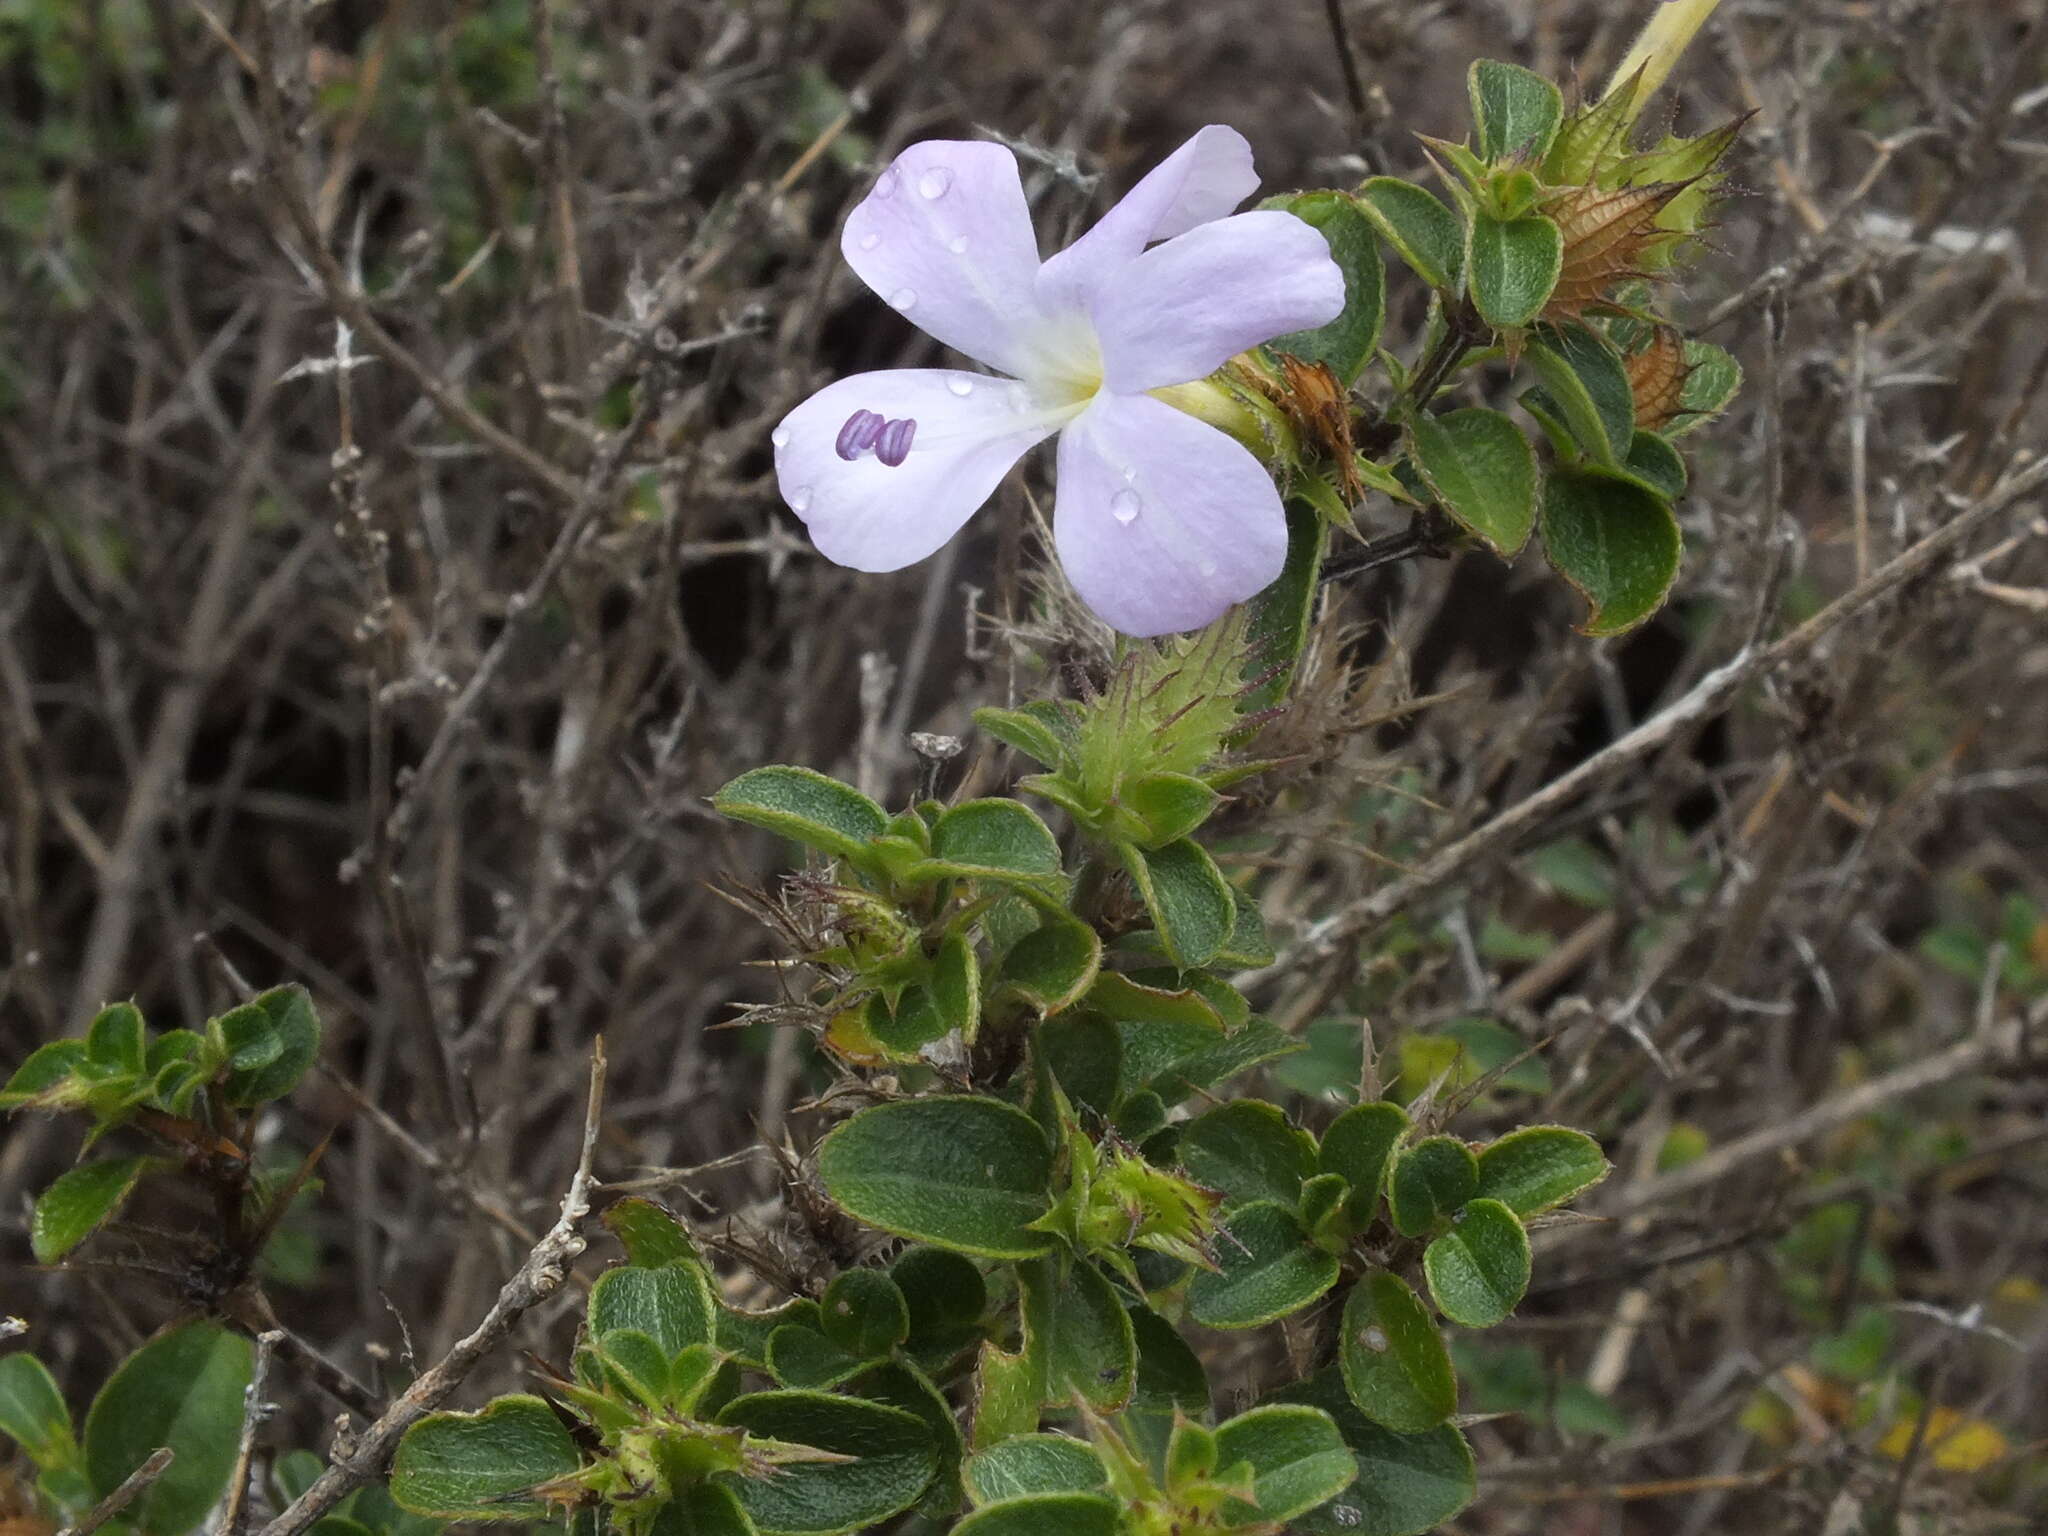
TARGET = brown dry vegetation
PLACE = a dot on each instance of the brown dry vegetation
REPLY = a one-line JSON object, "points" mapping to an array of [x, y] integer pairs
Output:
{"points": [[390, 564]]}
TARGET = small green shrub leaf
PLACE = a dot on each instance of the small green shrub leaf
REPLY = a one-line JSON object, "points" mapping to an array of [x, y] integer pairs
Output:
{"points": [[892, 1460], [1479, 1270], [1346, 344], [1054, 965], [1090, 1350], [116, 1040], [1588, 384], [1046, 1514], [1188, 898], [32, 1410], [1713, 378], [1394, 1362], [1515, 110], [864, 1313], [651, 1234], [997, 840], [1034, 1464], [1423, 232], [183, 1389], [963, 1173], [47, 1066], [477, 1466], [1657, 464], [1407, 1484], [671, 1304], [1250, 1151], [273, 1040], [1430, 1180], [1298, 1460], [1170, 805], [806, 806], [1540, 1166], [1482, 470], [1514, 266], [1265, 1269], [78, 1201], [1358, 1145], [1616, 541]]}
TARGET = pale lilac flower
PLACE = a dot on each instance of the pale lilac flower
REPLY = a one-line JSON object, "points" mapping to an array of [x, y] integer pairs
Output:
{"points": [[1162, 521]]}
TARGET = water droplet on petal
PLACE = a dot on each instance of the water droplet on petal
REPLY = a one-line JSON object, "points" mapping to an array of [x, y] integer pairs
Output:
{"points": [[1124, 506], [903, 298], [962, 387], [885, 184], [934, 182], [800, 499], [870, 240], [779, 437], [957, 245]]}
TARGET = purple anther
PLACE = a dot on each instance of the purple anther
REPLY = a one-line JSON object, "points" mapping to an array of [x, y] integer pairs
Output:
{"points": [[858, 435], [892, 446]]}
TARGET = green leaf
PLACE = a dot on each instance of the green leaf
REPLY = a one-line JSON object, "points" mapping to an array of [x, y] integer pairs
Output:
{"points": [[1407, 1484], [651, 1234], [1027, 733], [1615, 541], [803, 805], [1479, 1269], [1170, 1374], [745, 1336], [1086, 1056], [1255, 1041], [956, 983], [995, 840], [1713, 379], [1265, 1269], [1188, 898], [1170, 805], [47, 1066], [1430, 1180], [72, 1208], [1589, 385], [1540, 1166], [1482, 470], [1034, 1464], [1277, 630], [1358, 1145], [1052, 967], [1090, 1350], [1516, 111], [1514, 265], [945, 1296], [900, 1384], [969, 1174], [1394, 1362], [636, 1363], [916, 1021], [800, 1356], [183, 1389], [864, 1313], [1250, 1151], [1045, 1514], [892, 1460], [1298, 1461], [672, 1305], [476, 1466], [1592, 138], [701, 1509], [32, 1410], [116, 1040], [280, 1038], [1657, 464], [1422, 231], [1346, 343]]}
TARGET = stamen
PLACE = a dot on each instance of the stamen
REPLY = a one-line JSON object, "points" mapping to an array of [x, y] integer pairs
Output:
{"points": [[892, 446], [858, 435]]}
